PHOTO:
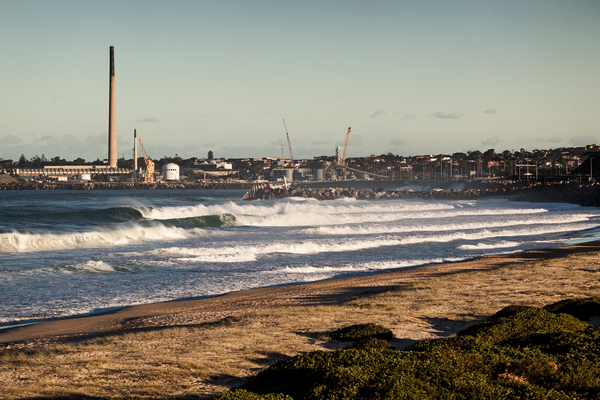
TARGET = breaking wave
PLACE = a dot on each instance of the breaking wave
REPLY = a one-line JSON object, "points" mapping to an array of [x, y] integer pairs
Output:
{"points": [[123, 234], [263, 250]]}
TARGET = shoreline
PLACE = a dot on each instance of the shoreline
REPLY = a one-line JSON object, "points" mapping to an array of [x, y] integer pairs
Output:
{"points": [[333, 291]]}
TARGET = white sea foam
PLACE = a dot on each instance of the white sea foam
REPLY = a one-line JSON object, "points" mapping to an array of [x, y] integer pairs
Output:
{"points": [[364, 267], [444, 224], [288, 207], [31, 242], [296, 212], [486, 246], [316, 218], [89, 266], [250, 252], [237, 257], [135, 233]]}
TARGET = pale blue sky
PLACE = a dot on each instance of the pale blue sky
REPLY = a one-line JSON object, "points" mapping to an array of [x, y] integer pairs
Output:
{"points": [[409, 77]]}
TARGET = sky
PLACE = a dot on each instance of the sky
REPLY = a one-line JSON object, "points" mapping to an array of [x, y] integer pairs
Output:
{"points": [[409, 77]]}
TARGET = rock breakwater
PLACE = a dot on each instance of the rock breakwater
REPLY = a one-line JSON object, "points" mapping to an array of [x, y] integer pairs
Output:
{"points": [[266, 192], [585, 194]]}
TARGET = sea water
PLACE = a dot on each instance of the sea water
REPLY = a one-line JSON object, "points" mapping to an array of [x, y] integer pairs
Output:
{"points": [[65, 253]]}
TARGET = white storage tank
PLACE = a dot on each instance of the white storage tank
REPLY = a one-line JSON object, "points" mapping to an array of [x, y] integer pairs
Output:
{"points": [[84, 177], [171, 172], [289, 175], [319, 175]]}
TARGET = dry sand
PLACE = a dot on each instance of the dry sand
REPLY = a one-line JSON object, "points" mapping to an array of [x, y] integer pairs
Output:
{"points": [[202, 347]]}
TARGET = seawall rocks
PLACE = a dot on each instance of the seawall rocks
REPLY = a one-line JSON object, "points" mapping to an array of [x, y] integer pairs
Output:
{"points": [[585, 194], [265, 192]]}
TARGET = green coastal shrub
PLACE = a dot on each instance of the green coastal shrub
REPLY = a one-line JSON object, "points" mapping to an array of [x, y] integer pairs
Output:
{"points": [[518, 353], [240, 394], [378, 374], [525, 322], [582, 309], [370, 343], [358, 332], [127, 398]]}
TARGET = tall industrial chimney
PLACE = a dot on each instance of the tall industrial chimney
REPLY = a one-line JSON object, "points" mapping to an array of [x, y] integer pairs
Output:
{"points": [[112, 118], [135, 155]]}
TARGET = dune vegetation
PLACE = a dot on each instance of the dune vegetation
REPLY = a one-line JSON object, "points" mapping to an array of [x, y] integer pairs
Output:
{"points": [[518, 353]]}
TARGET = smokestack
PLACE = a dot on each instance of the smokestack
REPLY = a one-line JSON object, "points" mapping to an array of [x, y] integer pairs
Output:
{"points": [[135, 153], [112, 118]]}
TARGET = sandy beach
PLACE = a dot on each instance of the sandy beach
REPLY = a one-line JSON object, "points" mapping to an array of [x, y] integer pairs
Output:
{"points": [[242, 332]]}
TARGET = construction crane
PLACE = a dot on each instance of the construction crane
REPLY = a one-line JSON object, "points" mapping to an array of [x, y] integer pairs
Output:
{"points": [[289, 143], [346, 146], [149, 175]]}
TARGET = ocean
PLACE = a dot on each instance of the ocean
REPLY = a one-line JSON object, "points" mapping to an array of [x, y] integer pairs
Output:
{"points": [[68, 253]]}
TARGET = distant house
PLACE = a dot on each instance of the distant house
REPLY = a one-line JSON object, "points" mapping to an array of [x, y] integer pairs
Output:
{"points": [[213, 166]]}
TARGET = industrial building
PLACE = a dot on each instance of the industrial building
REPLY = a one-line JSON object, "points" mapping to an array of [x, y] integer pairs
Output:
{"points": [[71, 172]]}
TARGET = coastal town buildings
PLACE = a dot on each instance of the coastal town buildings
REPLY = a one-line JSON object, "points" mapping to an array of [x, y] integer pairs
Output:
{"points": [[521, 164]]}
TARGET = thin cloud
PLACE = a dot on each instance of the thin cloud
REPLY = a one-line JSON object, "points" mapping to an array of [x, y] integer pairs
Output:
{"points": [[190, 149], [583, 140], [494, 140], [147, 119], [320, 142], [11, 139], [490, 111], [442, 115], [406, 117], [541, 139], [354, 140], [377, 113], [398, 142]]}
